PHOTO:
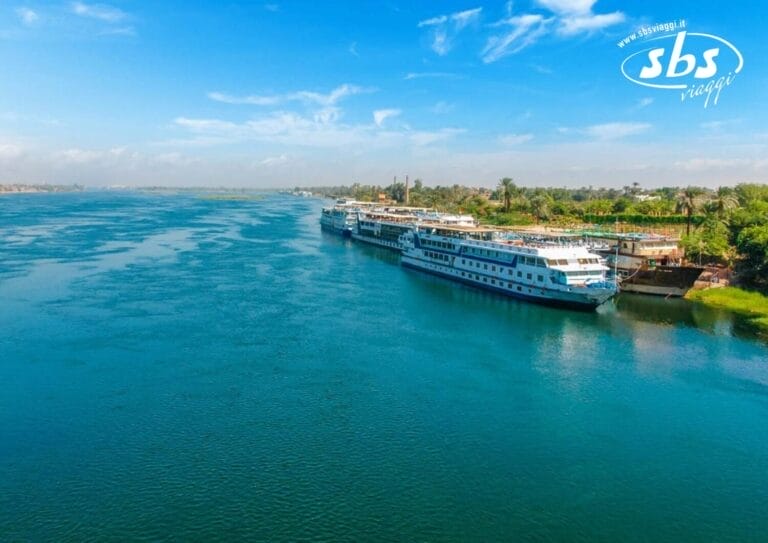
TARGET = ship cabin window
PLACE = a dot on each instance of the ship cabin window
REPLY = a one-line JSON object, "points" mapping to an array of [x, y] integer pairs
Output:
{"points": [[493, 268], [485, 266], [462, 261], [540, 278], [540, 263], [528, 276], [519, 274]]}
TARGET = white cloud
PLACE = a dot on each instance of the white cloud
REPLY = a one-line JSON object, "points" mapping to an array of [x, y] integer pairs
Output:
{"points": [[205, 125], [353, 49], [274, 160], [380, 115], [542, 69], [336, 95], [434, 21], [515, 139], [287, 128], [705, 164], [571, 25], [644, 102], [568, 6], [27, 16], [252, 99], [10, 151], [568, 18], [612, 131], [524, 30], [446, 27], [85, 156], [423, 138], [423, 75], [327, 115], [463, 18], [103, 12]]}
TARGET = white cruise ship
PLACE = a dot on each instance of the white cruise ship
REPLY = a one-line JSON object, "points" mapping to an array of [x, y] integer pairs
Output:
{"points": [[341, 218], [554, 274], [385, 226]]}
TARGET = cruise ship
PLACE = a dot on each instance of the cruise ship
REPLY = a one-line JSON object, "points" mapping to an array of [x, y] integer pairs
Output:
{"points": [[385, 227], [553, 274], [341, 218]]}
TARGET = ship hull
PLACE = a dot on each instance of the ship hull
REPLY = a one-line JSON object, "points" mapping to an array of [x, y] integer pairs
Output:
{"points": [[379, 242], [543, 296], [662, 280]]}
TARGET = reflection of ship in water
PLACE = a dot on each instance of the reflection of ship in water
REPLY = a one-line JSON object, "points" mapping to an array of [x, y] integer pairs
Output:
{"points": [[650, 264]]}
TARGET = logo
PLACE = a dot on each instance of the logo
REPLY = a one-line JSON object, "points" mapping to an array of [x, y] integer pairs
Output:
{"points": [[696, 65]]}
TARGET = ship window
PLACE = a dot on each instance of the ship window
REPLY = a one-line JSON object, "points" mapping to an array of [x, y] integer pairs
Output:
{"points": [[540, 263], [562, 262], [540, 278], [519, 289], [509, 285], [462, 261], [528, 276], [493, 268], [519, 274], [485, 266], [477, 277], [493, 281]]}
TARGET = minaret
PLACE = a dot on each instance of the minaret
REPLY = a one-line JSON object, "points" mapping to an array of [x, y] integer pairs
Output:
{"points": [[407, 191]]}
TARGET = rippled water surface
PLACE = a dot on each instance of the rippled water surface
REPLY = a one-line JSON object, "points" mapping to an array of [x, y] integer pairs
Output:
{"points": [[193, 369]]}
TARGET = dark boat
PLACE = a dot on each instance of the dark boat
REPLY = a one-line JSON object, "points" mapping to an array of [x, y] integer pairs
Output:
{"points": [[661, 280]]}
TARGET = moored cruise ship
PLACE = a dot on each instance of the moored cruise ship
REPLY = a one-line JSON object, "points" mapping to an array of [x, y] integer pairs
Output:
{"points": [[342, 217], [554, 274], [383, 229], [386, 226]]}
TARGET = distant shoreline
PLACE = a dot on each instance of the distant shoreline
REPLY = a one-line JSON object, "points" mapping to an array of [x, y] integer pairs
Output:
{"points": [[18, 188]]}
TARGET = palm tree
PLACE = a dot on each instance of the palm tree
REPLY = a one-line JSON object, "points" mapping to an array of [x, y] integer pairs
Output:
{"points": [[540, 206], [507, 189], [724, 200], [688, 201]]}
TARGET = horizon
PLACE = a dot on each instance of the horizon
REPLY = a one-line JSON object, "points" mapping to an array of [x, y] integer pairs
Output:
{"points": [[285, 94]]}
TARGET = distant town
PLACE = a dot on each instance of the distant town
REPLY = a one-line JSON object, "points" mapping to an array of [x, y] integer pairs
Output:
{"points": [[25, 188]]}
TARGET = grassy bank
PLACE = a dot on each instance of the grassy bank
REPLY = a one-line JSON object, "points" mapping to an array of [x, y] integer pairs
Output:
{"points": [[752, 305]]}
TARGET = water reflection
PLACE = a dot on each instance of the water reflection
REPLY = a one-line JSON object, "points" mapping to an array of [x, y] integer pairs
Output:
{"points": [[677, 312]]}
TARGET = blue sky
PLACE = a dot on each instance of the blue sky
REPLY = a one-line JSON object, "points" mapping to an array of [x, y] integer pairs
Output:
{"points": [[307, 93]]}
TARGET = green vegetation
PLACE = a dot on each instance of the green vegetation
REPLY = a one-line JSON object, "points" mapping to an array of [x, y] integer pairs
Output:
{"points": [[752, 305], [727, 226]]}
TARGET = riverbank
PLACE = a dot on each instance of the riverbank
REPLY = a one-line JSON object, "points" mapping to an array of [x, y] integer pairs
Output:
{"points": [[749, 304]]}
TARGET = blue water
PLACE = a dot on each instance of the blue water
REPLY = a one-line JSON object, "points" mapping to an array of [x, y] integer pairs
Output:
{"points": [[173, 367]]}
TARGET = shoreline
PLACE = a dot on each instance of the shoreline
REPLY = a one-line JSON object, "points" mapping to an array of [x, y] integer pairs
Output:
{"points": [[749, 304]]}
